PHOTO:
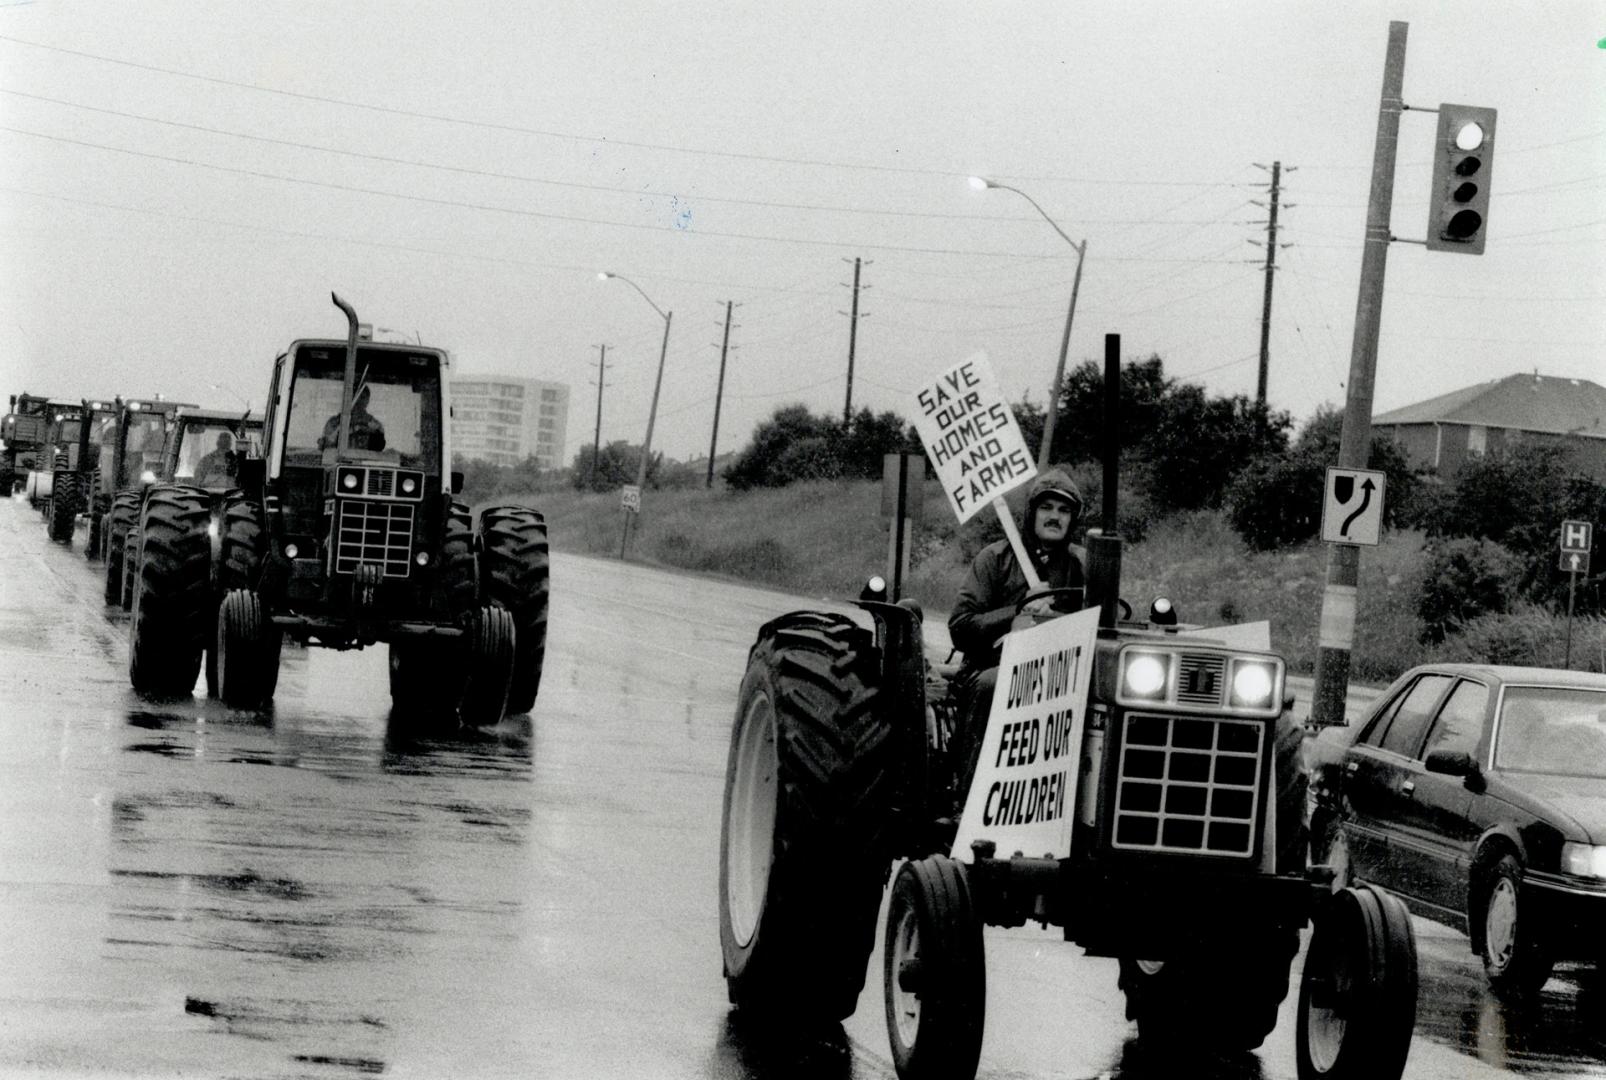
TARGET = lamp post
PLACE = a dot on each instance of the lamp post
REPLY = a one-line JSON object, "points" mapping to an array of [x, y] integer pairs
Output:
{"points": [[982, 183], [652, 413]]}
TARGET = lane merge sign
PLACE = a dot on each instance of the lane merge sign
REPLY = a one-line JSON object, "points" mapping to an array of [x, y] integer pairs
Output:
{"points": [[1352, 506]]}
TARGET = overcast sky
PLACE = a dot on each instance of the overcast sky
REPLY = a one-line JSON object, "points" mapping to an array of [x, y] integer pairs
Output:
{"points": [[186, 182]]}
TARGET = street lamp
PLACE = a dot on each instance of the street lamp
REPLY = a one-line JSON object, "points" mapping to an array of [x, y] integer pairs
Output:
{"points": [[652, 413], [982, 183]]}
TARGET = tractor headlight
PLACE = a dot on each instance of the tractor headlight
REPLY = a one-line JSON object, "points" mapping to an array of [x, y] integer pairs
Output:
{"points": [[422, 558], [291, 551], [409, 485], [211, 529], [348, 481], [1252, 684], [1145, 675], [1583, 860], [874, 589], [147, 477]]}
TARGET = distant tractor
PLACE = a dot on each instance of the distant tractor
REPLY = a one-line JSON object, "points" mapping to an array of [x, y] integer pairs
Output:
{"points": [[61, 429], [73, 479], [22, 429], [131, 441], [345, 533]]}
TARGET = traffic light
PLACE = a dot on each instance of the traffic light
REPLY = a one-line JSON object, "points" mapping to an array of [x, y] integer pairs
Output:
{"points": [[1463, 159]]}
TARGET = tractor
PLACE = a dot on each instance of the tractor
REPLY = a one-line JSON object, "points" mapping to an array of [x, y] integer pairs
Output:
{"points": [[1182, 803], [73, 479], [131, 439], [23, 431], [60, 431], [346, 533]]}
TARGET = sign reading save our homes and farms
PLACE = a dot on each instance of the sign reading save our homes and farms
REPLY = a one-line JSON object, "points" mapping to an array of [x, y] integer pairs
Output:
{"points": [[971, 436], [1023, 796]]}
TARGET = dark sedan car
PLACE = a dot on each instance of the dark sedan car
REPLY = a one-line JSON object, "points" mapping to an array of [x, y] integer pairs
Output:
{"points": [[1478, 795]]}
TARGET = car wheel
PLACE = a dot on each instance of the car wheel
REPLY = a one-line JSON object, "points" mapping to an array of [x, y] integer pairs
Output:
{"points": [[1515, 955]]}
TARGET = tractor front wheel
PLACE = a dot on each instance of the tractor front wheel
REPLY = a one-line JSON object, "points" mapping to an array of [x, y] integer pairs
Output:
{"points": [[515, 569], [1357, 999], [115, 535], [247, 651], [490, 668], [64, 502], [935, 975]]}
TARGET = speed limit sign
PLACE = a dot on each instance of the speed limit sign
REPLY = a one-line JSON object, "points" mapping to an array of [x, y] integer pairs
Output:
{"points": [[630, 498]]}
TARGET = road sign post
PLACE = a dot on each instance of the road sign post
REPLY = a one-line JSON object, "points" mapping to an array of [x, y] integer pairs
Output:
{"points": [[1577, 537]]}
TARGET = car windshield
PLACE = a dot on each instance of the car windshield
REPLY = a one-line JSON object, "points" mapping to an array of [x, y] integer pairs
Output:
{"points": [[1552, 729], [395, 410]]}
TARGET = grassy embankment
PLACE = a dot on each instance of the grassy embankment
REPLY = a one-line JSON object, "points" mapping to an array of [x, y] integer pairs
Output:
{"points": [[824, 539]]}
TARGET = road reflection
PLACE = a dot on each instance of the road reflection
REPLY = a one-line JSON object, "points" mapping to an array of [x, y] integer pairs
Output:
{"points": [[750, 1049], [1558, 1032]]}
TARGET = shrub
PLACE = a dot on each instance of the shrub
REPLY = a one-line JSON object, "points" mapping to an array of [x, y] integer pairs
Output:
{"points": [[1530, 636], [1465, 578]]}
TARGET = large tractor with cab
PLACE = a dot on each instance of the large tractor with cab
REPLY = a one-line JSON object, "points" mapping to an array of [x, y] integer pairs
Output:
{"points": [[77, 456], [1178, 790], [130, 442], [60, 431], [346, 532], [22, 429]]}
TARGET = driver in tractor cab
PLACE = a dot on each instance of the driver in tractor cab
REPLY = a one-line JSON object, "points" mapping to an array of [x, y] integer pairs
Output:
{"points": [[367, 433], [993, 591], [217, 466]]}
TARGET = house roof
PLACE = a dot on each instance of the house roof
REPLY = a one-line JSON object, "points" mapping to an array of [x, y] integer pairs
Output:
{"points": [[1534, 402]]}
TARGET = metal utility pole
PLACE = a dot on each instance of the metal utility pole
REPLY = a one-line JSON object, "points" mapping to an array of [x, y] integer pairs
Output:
{"points": [[1265, 310], [1053, 410], [719, 393], [596, 443], [853, 336], [1337, 634]]}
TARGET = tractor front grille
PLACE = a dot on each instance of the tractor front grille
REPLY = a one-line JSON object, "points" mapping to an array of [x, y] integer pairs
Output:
{"points": [[381, 482], [380, 533], [1201, 679], [1189, 784]]}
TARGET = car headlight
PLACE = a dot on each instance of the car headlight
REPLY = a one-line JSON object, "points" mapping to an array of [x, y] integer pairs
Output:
{"points": [[1145, 675], [1252, 684], [1583, 860]]}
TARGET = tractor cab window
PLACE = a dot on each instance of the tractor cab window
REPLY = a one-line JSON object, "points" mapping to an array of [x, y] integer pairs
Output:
{"points": [[395, 408], [208, 453], [147, 432]]}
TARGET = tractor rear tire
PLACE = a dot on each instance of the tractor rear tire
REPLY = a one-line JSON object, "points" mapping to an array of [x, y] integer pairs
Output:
{"points": [[242, 545], [935, 972], [92, 542], [115, 534], [132, 547], [457, 580], [515, 567], [1357, 999], [489, 663], [247, 651], [167, 633], [65, 500], [805, 832]]}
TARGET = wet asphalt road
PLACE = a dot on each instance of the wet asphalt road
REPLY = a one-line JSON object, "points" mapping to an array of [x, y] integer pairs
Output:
{"points": [[313, 892]]}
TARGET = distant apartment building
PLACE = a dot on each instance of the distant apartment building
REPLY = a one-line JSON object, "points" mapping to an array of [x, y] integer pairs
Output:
{"points": [[503, 420]]}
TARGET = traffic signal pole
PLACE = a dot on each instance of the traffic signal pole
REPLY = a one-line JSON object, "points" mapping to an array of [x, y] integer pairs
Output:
{"points": [[1337, 634]]}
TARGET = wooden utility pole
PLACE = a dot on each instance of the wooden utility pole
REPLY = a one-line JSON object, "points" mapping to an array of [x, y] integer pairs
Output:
{"points": [[1337, 633], [719, 394], [1265, 310], [853, 336], [596, 443]]}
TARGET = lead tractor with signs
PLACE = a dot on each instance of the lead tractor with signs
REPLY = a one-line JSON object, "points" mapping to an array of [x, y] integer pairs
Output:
{"points": [[1138, 786], [345, 533]]}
